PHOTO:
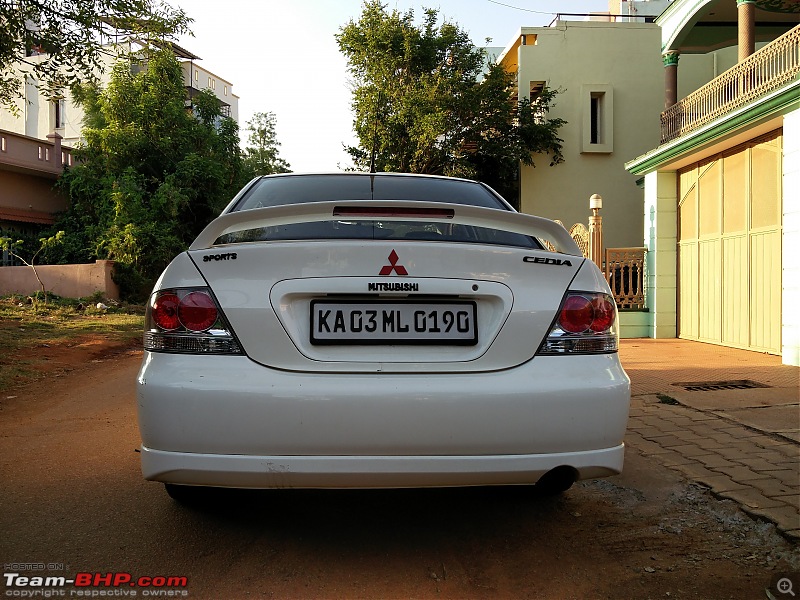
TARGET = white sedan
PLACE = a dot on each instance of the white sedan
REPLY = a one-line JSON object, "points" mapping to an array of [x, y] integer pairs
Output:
{"points": [[380, 330]]}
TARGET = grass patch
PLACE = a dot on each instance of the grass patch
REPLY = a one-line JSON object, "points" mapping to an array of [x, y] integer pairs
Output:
{"points": [[664, 399], [27, 325]]}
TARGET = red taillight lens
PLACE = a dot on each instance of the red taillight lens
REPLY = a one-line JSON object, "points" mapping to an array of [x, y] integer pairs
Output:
{"points": [[576, 314], [587, 312], [165, 311], [604, 313], [395, 211], [197, 311], [586, 324]]}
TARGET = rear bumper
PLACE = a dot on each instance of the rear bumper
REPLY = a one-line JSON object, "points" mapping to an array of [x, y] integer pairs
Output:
{"points": [[370, 471], [228, 421]]}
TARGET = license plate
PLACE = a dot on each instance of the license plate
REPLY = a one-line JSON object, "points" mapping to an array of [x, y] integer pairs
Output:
{"points": [[398, 322]]}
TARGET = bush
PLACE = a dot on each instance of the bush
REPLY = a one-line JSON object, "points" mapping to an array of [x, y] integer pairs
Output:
{"points": [[133, 286]]}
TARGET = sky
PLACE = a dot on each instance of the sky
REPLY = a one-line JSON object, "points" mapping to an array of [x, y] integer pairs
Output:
{"points": [[281, 57]]}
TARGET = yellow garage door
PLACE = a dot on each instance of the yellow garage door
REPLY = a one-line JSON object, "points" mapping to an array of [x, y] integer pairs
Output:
{"points": [[729, 247]]}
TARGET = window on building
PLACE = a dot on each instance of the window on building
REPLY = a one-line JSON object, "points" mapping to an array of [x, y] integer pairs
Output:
{"points": [[594, 118], [196, 75], [225, 90], [60, 113], [597, 128]]}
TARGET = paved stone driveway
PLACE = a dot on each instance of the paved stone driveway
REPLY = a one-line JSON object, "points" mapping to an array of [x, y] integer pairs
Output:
{"points": [[743, 443]]}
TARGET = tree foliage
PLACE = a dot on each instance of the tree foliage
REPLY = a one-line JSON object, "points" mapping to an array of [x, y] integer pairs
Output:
{"points": [[15, 249], [60, 42], [151, 174], [261, 154], [425, 103]]}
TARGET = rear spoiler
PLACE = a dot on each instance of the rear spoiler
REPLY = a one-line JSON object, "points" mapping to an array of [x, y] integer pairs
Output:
{"points": [[394, 210]]}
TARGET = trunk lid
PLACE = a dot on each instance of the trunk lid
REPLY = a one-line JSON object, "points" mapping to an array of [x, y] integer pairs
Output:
{"points": [[305, 305]]}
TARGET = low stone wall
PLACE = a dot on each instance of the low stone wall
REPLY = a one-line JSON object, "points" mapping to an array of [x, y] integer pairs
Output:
{"points": [[69, 281], [634, 324]]}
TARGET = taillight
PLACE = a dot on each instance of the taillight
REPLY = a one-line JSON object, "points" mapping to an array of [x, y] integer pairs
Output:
{"points": [[604, 313], [197, 311], [394, 211], [586, 324], [576, 314], [187, 320], [165, 311]]}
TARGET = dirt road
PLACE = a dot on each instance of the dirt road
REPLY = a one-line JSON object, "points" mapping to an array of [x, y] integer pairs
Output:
{"points": [[72, 500]]}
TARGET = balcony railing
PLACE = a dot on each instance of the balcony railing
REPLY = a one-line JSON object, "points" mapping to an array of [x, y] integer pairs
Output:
{"points": [[766, 70], [624, 268], [600, 16], [626, 277], [28, 154]]}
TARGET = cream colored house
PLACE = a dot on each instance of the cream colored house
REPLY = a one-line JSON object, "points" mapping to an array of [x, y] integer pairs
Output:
{"points": [[722, 185], [38, 117], [199, 79], [608, 73]]}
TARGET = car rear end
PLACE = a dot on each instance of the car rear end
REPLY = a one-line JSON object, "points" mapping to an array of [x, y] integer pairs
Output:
{"points": [[330, 353]]}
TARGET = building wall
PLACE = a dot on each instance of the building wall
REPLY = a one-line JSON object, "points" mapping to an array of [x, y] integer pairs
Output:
{"points": [[29, 192], [622, 62], [790, 332], [69, 281], [37, 116], [199, 78]]}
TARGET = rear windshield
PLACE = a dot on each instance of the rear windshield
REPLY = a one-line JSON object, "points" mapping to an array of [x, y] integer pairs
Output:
{"points": [[298, 189]]}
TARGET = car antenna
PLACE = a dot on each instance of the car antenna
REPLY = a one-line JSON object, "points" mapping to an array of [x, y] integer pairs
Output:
{"points": [[375, 135]]}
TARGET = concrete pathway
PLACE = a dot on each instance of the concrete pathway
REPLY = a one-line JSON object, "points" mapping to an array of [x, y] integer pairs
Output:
{"points": [[694, 409]]}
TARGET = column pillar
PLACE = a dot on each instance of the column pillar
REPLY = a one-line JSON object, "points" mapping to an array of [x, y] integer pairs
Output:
{"points": [[746, 10], [670, 77], [661, 239], [56, 139], [790, 319], [596, 231]]}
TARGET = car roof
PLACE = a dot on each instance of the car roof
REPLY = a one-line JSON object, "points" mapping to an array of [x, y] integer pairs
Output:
{"points": [[364, 174]]}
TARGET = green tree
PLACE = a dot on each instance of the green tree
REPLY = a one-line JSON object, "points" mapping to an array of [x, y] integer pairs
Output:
{"points": [[261, 154], [60, 42], [151, 174], [14, 248], [425, 102]]}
